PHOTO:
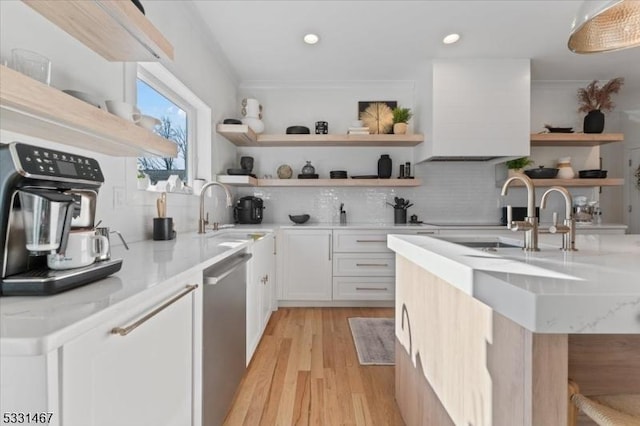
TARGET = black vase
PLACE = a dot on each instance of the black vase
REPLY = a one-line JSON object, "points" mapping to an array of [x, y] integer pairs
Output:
{"points": [[593, 122], [384, 167]]}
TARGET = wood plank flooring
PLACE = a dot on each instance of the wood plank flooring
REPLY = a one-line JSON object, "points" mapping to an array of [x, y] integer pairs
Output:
{"points": [[306, 372]]}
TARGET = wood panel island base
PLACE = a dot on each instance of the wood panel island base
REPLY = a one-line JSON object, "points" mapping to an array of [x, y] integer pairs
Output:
{"points": [[459, 361]]}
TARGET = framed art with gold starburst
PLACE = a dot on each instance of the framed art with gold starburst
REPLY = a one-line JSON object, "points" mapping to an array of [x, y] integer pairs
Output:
{"points": [[377, 115]]}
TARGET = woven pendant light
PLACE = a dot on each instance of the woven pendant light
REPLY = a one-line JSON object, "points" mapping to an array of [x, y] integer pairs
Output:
{"points": [[606, 25]]}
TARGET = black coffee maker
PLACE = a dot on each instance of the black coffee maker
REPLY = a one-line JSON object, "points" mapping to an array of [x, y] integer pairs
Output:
{"points": [[248, 210], [44, 195]]}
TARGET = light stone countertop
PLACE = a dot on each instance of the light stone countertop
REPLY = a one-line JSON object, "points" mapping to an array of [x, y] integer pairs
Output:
{"points": [[593, 290], [34, 325]]}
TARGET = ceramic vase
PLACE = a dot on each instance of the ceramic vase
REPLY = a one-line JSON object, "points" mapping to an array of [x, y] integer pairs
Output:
{"points": [[593, 122], [384, 167], [565, 171]]}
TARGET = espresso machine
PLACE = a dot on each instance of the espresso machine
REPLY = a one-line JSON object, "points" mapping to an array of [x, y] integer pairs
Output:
{"points": [[45, 194]]}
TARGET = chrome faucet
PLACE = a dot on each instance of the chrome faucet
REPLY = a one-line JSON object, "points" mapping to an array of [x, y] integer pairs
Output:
{"points": [[201, 221], [568, 228], [530, 224]]}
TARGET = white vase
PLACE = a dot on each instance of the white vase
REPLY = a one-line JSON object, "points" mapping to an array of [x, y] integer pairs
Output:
{"points": [[565, 171], [255, 123]]}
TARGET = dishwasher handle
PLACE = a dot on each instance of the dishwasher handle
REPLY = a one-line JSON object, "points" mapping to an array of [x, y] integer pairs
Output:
{"points": [[217, 273]]}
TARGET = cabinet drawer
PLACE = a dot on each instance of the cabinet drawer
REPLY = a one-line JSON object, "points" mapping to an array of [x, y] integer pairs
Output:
{"points": [[364, 264], [363, 288], [372, 241]]}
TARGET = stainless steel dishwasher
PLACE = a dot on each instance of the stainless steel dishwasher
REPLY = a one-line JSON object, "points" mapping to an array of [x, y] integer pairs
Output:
{"points": [[224, 335]]}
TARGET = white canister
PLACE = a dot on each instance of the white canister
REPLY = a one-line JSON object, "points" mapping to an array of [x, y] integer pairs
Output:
{"points": [[82, 250], [251, 108], [565, 171]]}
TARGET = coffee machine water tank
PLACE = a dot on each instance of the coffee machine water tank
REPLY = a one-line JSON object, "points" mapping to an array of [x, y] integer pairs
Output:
{"points": [[47, 219]]}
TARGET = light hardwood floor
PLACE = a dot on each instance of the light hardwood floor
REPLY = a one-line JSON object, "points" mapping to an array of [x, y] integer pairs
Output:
{"points": [[306, 372]]}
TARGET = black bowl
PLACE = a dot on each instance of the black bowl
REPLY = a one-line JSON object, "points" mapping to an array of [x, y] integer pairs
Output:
{"points": [[300, 218], [592, 174], [560, 129], [308, 176], [298, 130], [542, 173], [238, 172], [231, 121]]}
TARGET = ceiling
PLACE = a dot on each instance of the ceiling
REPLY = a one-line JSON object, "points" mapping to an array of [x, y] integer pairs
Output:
{"points": [[393, 40]]}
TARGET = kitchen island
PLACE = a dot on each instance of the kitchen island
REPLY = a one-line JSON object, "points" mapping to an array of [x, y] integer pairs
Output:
{"points": [[491, 337]]}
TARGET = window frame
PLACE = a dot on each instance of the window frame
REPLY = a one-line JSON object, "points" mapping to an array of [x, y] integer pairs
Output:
{"points": [[163, 85]]}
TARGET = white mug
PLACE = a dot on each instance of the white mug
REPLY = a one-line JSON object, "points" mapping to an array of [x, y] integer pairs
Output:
{"points": [[82, 250], [123, 110]]}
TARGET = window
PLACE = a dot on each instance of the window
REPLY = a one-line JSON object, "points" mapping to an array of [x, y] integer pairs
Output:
{"points": [[155, 98]]}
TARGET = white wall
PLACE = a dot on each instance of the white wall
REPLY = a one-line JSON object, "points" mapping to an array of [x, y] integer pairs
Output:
{"points": [[452, 192], [197, 64]]}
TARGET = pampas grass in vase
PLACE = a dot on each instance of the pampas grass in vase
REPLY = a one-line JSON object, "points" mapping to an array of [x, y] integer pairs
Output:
{"points": [[594, 100]]}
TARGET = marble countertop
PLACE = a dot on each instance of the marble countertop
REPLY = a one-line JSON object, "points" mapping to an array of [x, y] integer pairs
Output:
{"points": [[593, 290], [427, 226], [38, 324]]}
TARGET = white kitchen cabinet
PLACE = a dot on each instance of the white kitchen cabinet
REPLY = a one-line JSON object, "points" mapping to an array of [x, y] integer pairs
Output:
{"points": [[306, 265], [146, 375], [260, 290]]}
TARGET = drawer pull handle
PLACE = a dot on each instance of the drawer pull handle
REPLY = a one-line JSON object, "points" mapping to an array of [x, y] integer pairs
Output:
{"points": [[371, 288], [123, 331], [426, 232], [372, 264], [371, 241]]}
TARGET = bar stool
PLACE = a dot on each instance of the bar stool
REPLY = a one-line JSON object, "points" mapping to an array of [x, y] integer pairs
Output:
{"points": [[605, 410]]}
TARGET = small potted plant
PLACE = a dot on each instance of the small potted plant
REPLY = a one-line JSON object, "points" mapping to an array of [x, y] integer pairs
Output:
{"points": [[142, 179], [401, 117], [516, 165], [593, 100]]}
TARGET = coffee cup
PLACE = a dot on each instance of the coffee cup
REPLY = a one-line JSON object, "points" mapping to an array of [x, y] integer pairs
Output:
{"points": [[82, 249]]}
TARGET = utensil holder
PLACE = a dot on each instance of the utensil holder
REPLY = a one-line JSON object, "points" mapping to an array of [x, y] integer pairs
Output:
{"points": [[163, 229], [400, 216]]}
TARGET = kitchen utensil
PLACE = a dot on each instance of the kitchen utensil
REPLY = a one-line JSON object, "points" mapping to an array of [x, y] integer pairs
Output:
{"points": [[400, 216], [82, 249], [31, 64], [148, 122], [541, 172], [298, 130], [105, 232], [299, 219], [592, 174], [161, 205]]}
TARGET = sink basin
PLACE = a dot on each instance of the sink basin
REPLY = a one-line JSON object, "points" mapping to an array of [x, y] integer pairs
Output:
{"points": [[487, 244]]}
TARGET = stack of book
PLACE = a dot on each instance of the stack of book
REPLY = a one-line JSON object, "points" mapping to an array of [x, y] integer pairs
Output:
{"points": [[358, 131]]}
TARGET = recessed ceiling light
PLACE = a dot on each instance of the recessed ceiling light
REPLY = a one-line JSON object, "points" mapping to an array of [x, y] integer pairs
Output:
{"points": [[311, 38], [451, 38]]}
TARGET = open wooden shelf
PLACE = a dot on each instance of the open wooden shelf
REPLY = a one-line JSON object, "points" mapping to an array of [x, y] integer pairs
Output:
{"points": [[575, 139], [116, 30], [242, 135], [377, 183], [570, 182], [33, 108]]}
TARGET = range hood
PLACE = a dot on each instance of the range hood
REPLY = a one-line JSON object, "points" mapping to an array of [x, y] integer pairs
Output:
{"points": [[480, 110]]}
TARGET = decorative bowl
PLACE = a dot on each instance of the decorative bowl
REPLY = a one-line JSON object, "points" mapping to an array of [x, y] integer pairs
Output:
{"points": [[299, 219], [298, 130]]}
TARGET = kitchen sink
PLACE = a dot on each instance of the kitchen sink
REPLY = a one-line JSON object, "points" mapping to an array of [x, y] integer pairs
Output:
{"points": [[487, 244], [484, 243]]}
